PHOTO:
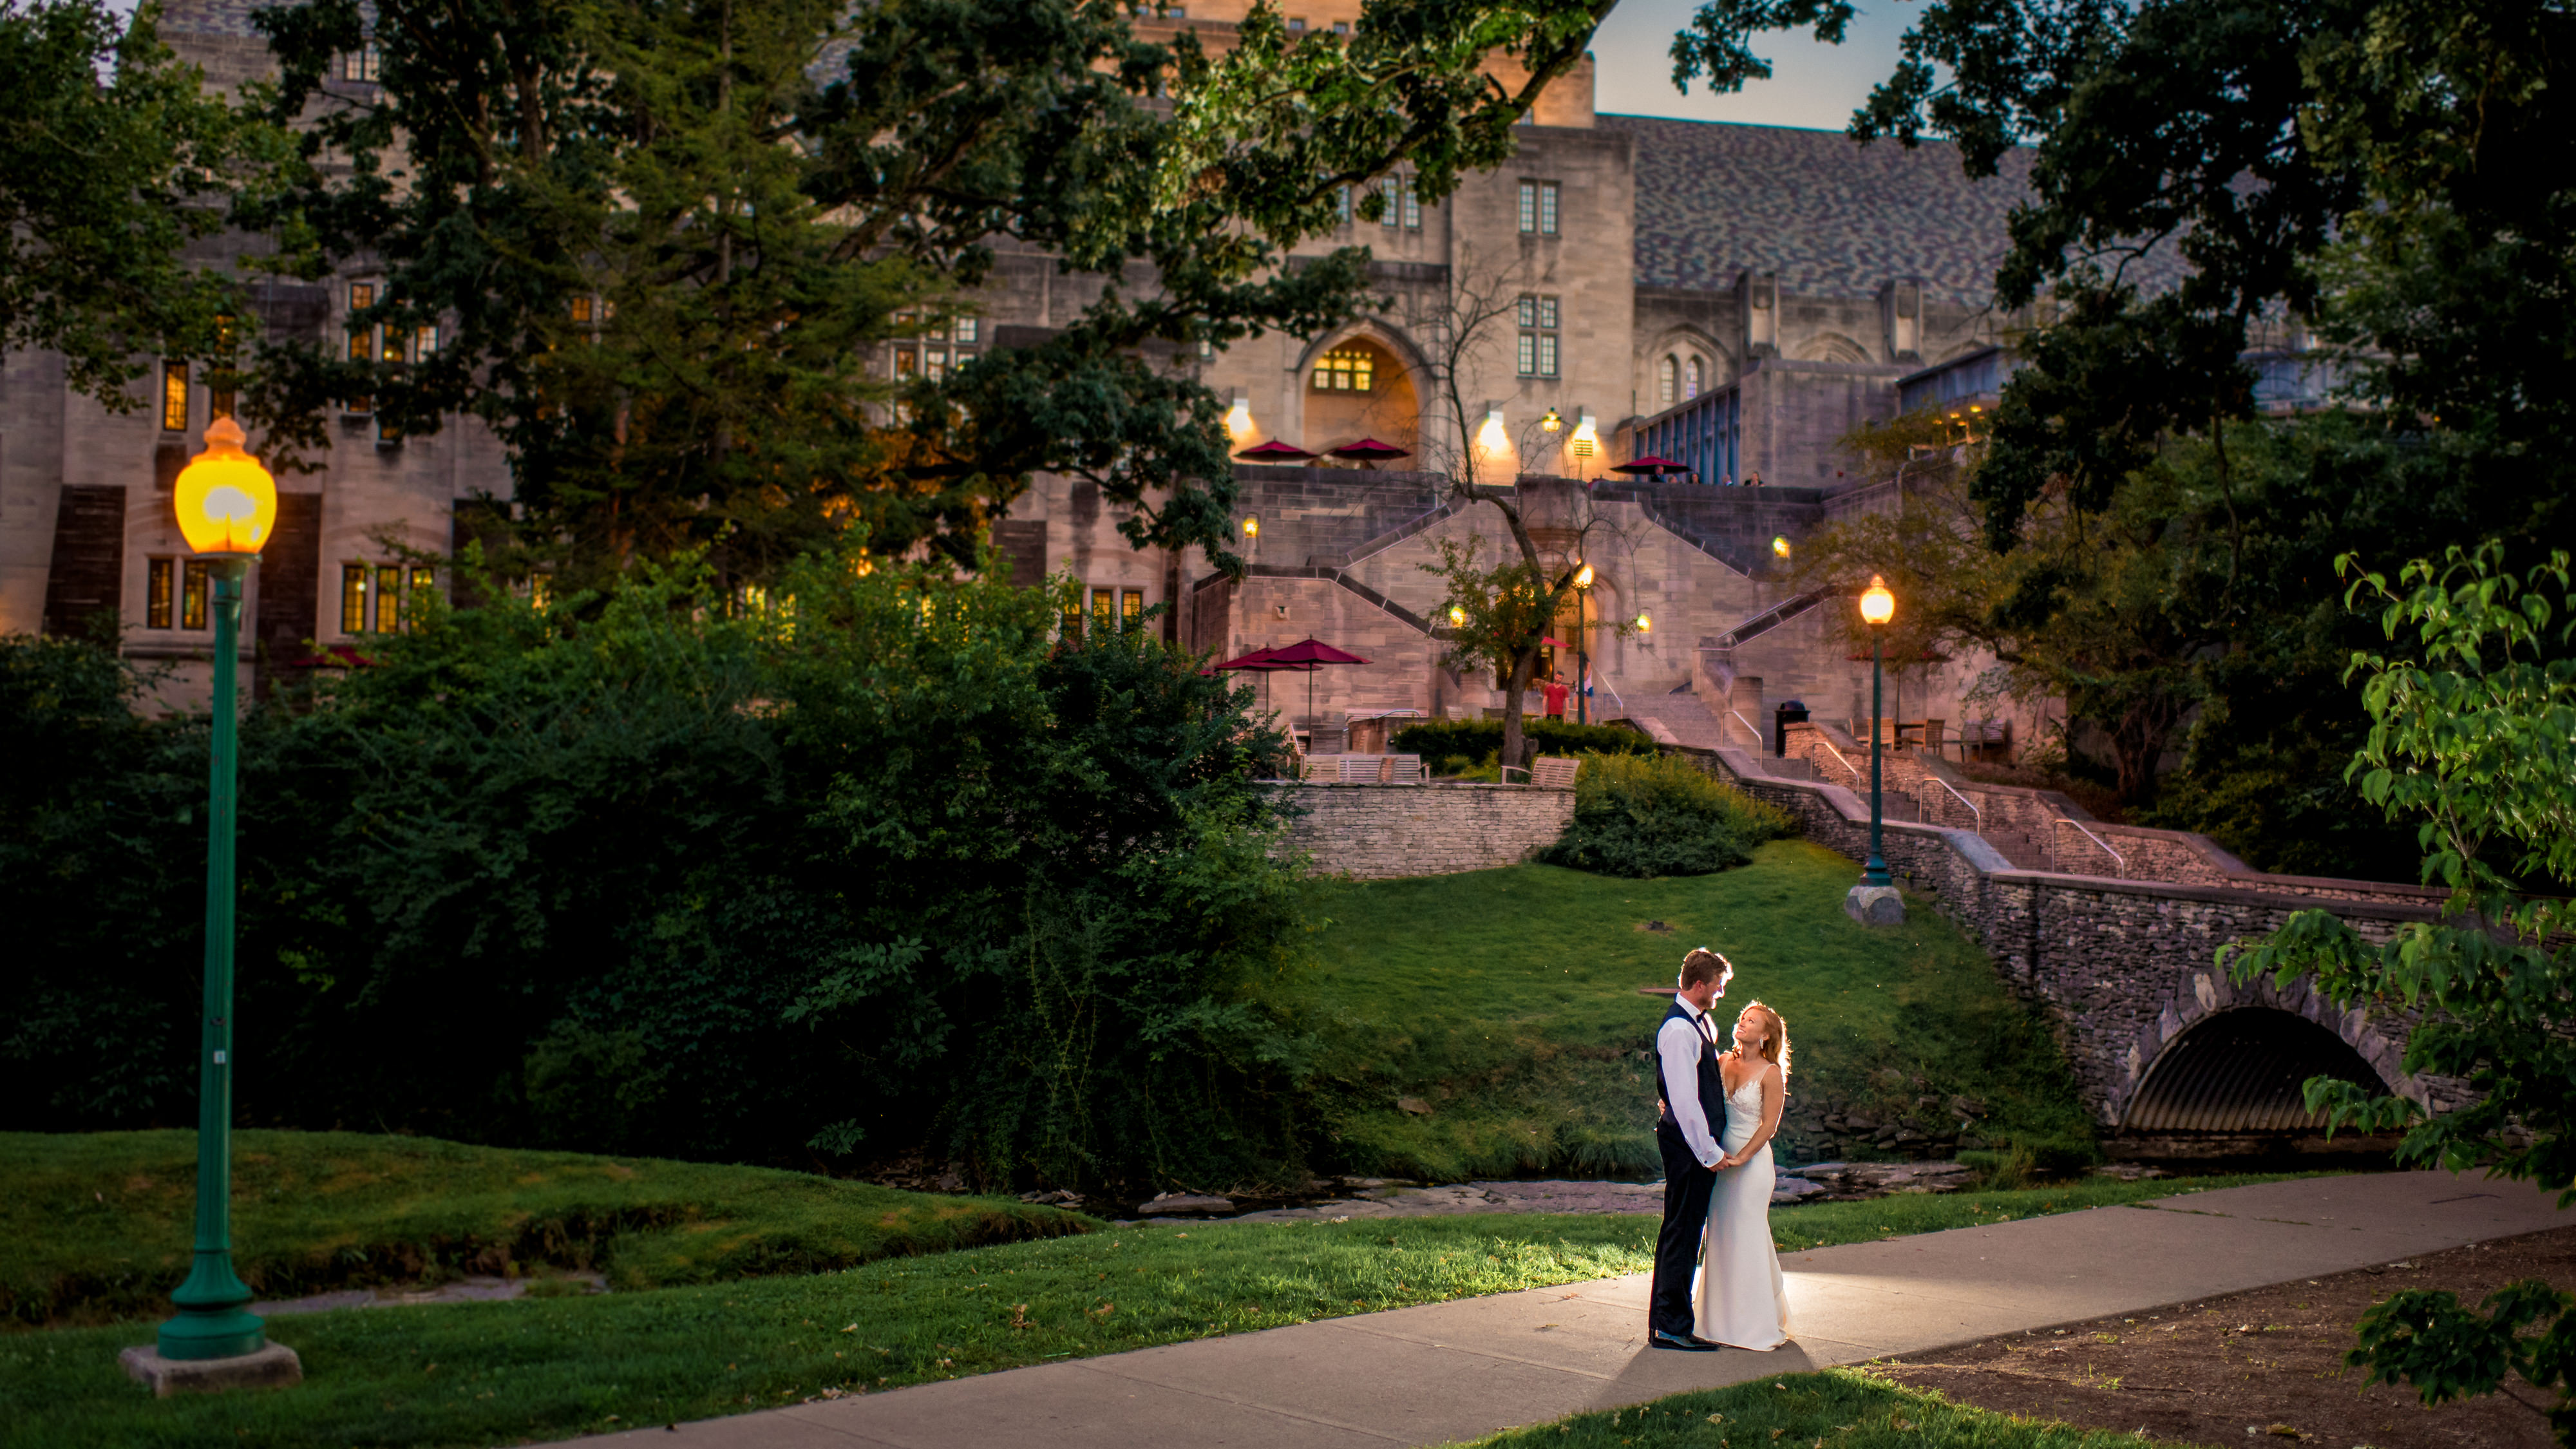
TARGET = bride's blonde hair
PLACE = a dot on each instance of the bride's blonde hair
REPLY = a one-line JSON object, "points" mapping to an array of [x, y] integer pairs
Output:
{"points": [[1775, 1037]]}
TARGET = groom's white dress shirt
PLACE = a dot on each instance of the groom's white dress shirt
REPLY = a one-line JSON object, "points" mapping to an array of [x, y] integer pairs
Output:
{"points": [[1678, 1044]]}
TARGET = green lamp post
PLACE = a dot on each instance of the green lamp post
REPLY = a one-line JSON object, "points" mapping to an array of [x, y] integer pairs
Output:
{"points": [[227, 507], [1877, 606]]}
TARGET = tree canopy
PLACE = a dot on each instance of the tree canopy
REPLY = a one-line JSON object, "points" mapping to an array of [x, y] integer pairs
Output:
{"points": [[662, 240]]}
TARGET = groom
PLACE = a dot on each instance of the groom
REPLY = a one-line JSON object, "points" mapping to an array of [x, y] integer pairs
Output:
{"points": [[1687, 1086]]}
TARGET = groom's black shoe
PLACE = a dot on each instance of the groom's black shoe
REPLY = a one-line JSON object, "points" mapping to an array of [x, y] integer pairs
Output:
{"points": [[1685, 1345]]}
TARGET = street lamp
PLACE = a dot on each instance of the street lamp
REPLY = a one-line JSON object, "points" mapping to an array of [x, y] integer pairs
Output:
{"points": [[1582, 633], [227, 509], [1877, 606]]}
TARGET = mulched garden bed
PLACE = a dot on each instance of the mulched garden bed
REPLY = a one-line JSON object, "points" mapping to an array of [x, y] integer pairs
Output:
{"points": [[2262, 1367]]}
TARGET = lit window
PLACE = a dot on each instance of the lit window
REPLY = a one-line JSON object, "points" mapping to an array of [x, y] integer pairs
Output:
{"points": [[582, 308], [425, 343], [193, 587], [174, 396], [388, 599], [423, 580], [1667, 381], [1131, 605], [353, 598], [362, 340], [158, 585], [365, 63], [1537, 350], [966, 355], [386, 432], [934, 363], [1104, 607], [1071, 627], [967, 328], [907, 361], [1345, 369]]}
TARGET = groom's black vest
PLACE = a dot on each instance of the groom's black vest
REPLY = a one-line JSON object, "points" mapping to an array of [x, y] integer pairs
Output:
{"points": [[1712, 1082]]}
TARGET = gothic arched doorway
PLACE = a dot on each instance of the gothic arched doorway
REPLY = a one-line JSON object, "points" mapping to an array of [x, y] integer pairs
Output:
{"points": [[1358, 388]]}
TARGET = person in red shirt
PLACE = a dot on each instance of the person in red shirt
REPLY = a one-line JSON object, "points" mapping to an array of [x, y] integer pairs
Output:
{"points": [[1555, 691]]}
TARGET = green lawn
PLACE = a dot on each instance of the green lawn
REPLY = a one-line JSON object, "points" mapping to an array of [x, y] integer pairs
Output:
{"points": [[96, 1226], [490, 1373], [1505, 1000], [1839, 1409]]}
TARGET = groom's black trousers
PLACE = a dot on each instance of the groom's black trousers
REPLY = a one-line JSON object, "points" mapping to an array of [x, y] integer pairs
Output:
{"points": [[1686, 1192]]}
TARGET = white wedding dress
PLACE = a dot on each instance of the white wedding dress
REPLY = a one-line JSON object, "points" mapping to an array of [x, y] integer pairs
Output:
{"points": [[1742, 1300]]}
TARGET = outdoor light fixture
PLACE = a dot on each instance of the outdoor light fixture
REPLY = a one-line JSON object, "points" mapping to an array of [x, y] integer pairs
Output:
{"points": [[1583, 577], [1491, 437], [1582, 638], [1252, 525], [226, 505], [1780, 545], [1238, 418], [1551, 422], [1877, 605], [226, 502], [1645, 622], [1585, 440], [1457, 617]]}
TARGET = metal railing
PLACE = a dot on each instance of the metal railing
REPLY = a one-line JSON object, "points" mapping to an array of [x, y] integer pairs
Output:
{"points": [[1828, 746], [1974, 814], [1748, 729], [2119, 862]]}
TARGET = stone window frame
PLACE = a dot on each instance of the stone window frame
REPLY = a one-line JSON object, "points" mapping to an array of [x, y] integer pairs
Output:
{"points": [[1538, 315], [1541, 206]]}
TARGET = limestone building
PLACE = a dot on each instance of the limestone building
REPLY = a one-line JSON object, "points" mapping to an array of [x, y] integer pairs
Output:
{"points": [[1735, 298]]}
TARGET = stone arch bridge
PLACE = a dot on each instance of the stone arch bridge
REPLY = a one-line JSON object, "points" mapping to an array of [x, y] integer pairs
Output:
{"points": [[2116, 928]]}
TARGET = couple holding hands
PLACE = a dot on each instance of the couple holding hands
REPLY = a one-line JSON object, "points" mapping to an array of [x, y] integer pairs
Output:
{"points": [[1717, 1278]]}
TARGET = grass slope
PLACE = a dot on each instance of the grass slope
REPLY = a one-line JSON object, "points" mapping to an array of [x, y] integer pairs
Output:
{"points": [[1836, 1409], [97, 1226], [490, 1373], [1505, 999]]}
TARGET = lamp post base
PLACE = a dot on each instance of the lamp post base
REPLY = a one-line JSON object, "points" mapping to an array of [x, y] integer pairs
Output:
{"points": [[1875, 905], [273, 1367]]}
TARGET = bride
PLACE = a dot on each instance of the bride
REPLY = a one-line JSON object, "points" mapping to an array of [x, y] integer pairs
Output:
{"points": [[1742, 1302]]}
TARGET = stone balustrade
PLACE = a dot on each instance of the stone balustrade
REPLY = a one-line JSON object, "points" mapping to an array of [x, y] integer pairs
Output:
{"points": [[1370, 832]]}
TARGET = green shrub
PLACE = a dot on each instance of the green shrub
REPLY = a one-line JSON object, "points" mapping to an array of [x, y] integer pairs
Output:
{"points": [[1651, 815], [1450, 746]]}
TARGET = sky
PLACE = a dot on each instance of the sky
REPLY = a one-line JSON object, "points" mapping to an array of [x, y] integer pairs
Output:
{"points": [[1813, 86]]}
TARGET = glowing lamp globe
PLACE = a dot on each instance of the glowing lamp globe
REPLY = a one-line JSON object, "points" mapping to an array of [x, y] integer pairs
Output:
{"points": [[226, 502], [1252, 527], [1877, 605], [1457, 617], [1583, 577], [1645, 623], [1780, 545]]}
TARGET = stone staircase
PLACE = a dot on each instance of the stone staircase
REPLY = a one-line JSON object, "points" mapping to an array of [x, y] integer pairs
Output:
{"points": [[1687, 721]]}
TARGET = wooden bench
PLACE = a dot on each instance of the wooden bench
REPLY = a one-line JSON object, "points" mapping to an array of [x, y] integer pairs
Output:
{"points": [[1547, 772]]}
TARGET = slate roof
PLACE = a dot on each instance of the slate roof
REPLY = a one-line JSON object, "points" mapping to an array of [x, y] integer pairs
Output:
{"points": [[212, 17], [1832, 217]]}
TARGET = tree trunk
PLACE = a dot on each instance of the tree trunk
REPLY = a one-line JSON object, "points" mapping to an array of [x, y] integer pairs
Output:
{"points": [[1514, 747]]}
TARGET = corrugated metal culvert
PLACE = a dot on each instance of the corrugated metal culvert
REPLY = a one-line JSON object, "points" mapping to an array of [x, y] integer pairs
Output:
{"points": [[2243, 1071]]}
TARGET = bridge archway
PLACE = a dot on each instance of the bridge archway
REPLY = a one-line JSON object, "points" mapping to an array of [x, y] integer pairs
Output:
{"points": [[2242, 1071]]}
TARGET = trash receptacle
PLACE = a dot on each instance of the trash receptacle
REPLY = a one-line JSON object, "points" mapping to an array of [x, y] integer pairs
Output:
{"points": [[1791, 711]]}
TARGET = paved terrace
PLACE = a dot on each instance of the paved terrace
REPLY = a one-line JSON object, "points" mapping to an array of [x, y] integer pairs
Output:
{"points": [[1457, 1370]]}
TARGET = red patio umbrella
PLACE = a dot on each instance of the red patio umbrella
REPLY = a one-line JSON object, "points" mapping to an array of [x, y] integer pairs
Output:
{"points": [[1264, 662], [1369, 452], [1650, 466], [1310, 655], [1274, 451]]}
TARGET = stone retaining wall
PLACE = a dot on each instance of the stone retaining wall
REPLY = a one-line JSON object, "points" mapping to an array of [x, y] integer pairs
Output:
{"points": [[2124, 965], [1374, 831]]}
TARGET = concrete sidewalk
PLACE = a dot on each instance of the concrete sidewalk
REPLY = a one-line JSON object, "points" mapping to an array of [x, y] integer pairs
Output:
{"points": [[1456, 1370]]}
